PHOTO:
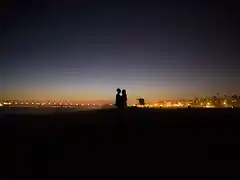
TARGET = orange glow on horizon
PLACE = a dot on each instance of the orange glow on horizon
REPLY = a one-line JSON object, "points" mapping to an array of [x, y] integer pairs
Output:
{"points": [[92, 96]]}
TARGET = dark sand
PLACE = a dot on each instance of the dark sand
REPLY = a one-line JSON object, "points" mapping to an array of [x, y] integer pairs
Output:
{"points": [[195, 143]]}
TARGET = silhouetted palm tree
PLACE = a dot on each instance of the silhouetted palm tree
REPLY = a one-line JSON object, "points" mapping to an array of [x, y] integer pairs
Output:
{"points": [[234, 96]]}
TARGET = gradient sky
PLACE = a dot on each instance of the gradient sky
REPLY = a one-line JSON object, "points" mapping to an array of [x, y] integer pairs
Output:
{"points": [[85, 50]]}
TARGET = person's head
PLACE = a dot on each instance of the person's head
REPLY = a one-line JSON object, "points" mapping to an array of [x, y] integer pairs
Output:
{"points": [[118, 90], [123, 91]]}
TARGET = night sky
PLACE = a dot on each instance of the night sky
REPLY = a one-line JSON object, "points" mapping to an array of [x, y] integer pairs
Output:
{"points": [[85, 50]]}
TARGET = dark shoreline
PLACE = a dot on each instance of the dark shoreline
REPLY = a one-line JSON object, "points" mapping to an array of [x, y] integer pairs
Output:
{"points": [[195, 143]]}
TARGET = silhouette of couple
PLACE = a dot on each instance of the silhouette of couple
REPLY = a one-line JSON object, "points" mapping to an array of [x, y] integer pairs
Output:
{"points": [[121, 100]]}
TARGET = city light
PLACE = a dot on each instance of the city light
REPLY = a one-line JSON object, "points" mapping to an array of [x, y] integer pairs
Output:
{"points": [[204, 102]]}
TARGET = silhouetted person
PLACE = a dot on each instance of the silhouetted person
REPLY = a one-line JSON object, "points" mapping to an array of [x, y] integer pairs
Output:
{"points": [[118, 101], [124, 98]]}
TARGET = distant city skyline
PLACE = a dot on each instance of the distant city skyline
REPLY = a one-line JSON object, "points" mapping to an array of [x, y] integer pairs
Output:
{"points": [[218, 101], [112, 101], [85, 50]]}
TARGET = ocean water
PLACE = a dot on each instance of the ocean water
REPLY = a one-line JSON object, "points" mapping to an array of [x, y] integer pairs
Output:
{"points": [[4, 111]]}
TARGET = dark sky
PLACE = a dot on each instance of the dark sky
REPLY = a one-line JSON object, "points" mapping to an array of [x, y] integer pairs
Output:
{"points": [[84, 50]]}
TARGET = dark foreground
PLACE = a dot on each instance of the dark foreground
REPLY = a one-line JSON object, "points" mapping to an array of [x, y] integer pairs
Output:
{"points": [[195, 143]]}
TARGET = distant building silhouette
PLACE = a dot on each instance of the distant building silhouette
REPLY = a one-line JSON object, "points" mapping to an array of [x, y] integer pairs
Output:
{"points": [[141, 101]]}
